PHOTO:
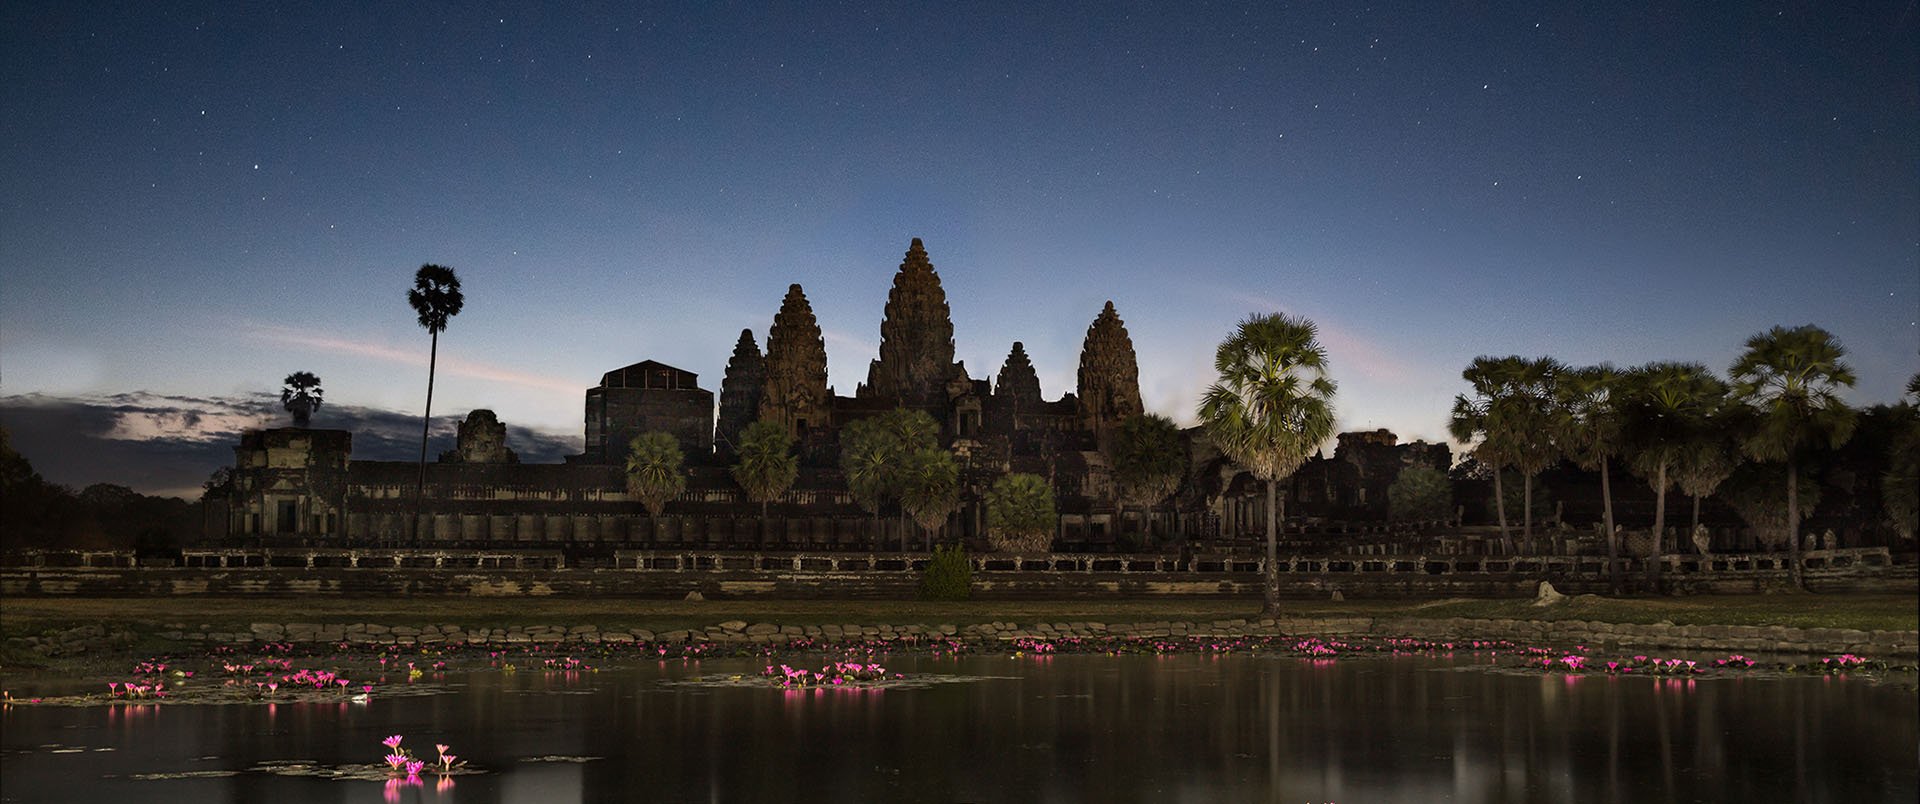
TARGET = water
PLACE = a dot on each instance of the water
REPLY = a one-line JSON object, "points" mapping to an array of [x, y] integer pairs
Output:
{"points": [[1056, 728]]}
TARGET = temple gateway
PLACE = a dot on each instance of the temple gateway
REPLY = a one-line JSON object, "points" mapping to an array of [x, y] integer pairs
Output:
{"points": [[299, 485]]}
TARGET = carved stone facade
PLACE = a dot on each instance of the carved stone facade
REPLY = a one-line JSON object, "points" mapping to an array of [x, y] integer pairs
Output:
{"points": [[916, 336], [740, 392], [796, 393], [482, 439], [1109, 376], [289, 482]]}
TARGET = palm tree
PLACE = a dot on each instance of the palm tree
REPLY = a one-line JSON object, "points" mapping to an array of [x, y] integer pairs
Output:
{"points": [[1148, 461], [874, 453], [655, 473], [435, 297], [301, 396], [1271, 408], [929, 489], [1511, 412], [767, 466], [1710, 457], [1021, 514], [1791, 379], [1588, 413], [1668, 407]]}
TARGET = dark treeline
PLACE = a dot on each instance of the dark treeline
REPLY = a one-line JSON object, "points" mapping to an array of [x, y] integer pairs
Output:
{"points": [[37, 514]]}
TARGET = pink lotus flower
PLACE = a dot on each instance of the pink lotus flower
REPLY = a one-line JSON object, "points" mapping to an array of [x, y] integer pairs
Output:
{"points": [[392, 742]]}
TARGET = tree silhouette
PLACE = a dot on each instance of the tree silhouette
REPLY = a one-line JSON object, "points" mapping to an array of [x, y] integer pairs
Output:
{"points": [[874, 454], [1148, 462], [301, 396], [1668, 409], [767, 466], [1587, 410], [1512, 412], [1271, 408], [1021, 514], [656, 473], [435, 297], [1790, 378], [929, 488]]}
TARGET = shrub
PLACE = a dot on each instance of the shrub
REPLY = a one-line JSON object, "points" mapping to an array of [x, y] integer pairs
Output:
{"points": [[948, 576]]}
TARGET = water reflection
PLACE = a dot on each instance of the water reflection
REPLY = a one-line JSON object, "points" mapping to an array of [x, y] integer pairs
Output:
{"points": [[1053, 728]]}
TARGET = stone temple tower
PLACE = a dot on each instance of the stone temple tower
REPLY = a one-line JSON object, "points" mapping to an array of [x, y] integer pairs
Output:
{"points": [[1017, 381], [1109, 375], [916, 336], [740, 392], [795, 389]]}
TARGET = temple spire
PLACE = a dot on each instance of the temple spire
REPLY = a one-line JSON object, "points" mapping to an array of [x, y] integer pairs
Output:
{"points": [[740, 392], [1109, 380], [795, 389], [916, 336]]}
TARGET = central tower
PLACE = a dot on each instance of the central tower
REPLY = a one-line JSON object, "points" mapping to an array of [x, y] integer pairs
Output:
{"points": [[916, 336]]}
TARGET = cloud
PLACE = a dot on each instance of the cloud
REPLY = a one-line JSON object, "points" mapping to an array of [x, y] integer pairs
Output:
{"points": [[411, 357], [168, 445]]}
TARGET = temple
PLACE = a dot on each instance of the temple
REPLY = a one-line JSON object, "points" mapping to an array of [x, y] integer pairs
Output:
{"points": [[301, 485]]}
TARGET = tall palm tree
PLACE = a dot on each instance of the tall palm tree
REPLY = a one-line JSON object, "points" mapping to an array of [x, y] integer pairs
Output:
{"points": [[1791, 379], [929, 488], [1271, 408], [1668, 407], [1511, 412], [301, 396], [656, 473], [1588, 412], [1148, 462], [767, 466], [435, 297]]}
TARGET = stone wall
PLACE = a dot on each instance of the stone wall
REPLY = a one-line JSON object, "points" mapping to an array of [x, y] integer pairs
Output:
{"points": [[674, 574]]}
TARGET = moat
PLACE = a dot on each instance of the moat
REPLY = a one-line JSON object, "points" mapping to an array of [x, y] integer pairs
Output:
{"points": [[1010, 724]]}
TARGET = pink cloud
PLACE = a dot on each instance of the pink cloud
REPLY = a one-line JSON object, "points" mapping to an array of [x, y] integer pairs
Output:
{"points": [[413, 357]]}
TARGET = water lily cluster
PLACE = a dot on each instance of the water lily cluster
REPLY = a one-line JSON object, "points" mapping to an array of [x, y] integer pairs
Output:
{"points": [[834, 674], [400, 760]]}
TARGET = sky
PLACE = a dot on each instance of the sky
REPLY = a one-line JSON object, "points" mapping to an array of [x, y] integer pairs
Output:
{"points": [[203, 198]]}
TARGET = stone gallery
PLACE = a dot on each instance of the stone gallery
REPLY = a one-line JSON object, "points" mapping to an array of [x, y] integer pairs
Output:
{"points": [[302, 485]]}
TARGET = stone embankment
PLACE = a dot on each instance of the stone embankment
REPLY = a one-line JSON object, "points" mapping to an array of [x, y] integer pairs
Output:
{"points": [[1888, 645]]}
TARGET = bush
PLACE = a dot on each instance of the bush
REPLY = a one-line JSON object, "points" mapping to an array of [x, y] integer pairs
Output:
{"points": [[948, 576]]}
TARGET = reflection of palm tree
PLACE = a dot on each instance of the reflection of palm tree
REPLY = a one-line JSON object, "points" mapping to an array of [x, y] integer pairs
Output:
{"points": [[655, 473], [435, 297], [1270, 409], [301, 396], [1668, 408], [1790, 378], [1587, 406], [767, 466]]}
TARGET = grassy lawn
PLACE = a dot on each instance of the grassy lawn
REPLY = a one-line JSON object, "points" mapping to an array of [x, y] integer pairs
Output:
{"points": [[147, 615]]}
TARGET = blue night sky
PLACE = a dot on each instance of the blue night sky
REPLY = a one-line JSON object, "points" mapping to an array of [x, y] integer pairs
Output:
{"points": [[203, 198]]}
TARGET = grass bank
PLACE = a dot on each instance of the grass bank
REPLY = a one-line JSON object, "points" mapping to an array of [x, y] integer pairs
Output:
{"points": [[149, 615]]}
